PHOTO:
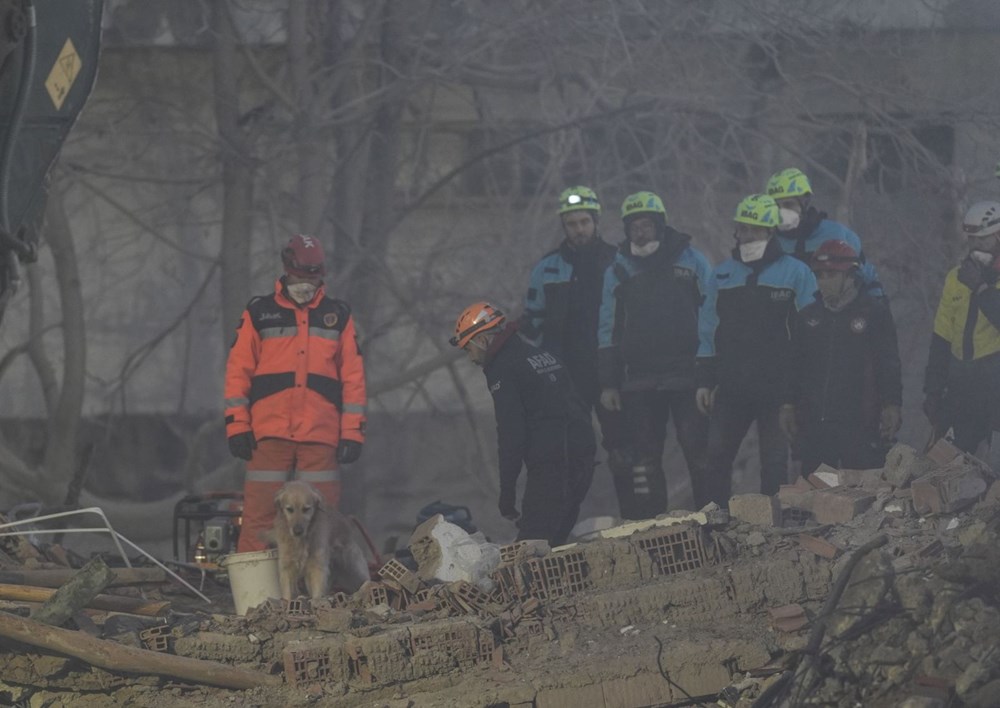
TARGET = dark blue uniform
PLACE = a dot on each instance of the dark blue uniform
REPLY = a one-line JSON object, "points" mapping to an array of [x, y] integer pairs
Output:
{"points": [[746, 350], [846, 369], [543, 425], [561, 314], [648, 338]]}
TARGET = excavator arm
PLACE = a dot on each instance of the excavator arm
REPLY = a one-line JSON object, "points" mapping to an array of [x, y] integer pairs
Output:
{"points": [[48, 62]]}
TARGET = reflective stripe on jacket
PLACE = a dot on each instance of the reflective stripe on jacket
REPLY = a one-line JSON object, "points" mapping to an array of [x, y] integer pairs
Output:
{"points": [[295, 372]]}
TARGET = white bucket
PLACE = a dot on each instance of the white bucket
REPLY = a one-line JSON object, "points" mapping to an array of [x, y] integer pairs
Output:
{"points": [[253, 577]]}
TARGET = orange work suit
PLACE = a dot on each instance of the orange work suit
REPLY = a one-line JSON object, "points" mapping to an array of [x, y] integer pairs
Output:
{"points": [[295, 378]]}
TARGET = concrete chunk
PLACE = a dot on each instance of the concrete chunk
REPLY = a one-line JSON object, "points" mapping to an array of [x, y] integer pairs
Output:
{"points": [[788, 618], [903, 464], [756, 509]]}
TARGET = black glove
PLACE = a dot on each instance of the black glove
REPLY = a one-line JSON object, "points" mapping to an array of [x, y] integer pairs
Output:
{"points": [[971, 275], [933, 407], [348, 451], [508, 509], [242, 445]]}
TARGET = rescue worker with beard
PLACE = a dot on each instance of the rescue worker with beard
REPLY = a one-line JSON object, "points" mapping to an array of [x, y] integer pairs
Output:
{"points": [[563, 302], [847, 389], [962, 381], [648, 338], [804, 228], [745, 353], [294, 390], [541, 424]]}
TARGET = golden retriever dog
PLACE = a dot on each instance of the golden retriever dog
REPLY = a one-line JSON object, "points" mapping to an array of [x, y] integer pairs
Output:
{"points": [[315, 544]]}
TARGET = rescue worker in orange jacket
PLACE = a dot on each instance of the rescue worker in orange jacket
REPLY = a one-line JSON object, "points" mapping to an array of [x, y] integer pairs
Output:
{"points": [[295, 389]]}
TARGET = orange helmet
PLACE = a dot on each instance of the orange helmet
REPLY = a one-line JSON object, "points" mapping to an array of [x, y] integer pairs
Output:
{"points": [[476, 318]]}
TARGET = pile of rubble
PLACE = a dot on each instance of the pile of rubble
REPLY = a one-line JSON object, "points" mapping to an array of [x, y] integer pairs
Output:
{"points": [[871, 587]]}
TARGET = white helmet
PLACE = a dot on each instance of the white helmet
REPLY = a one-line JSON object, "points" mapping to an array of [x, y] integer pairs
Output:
{"points": [[982, 219]]}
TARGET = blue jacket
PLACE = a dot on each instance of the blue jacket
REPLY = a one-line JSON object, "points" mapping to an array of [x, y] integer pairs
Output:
{"points": [[814, 230], [746, 323], [561, 309], [648, 332]]}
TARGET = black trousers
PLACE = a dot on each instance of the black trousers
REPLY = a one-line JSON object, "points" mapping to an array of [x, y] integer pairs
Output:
{"points": [[640, 481], [972, 402], [731, 418], [840, 444], [553, 493]]}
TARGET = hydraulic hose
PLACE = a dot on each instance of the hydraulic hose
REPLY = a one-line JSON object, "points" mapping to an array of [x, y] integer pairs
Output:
{"points": [[14, 127]]}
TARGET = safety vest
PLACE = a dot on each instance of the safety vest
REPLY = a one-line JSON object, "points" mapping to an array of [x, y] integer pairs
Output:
{"points": [[960, 322]]}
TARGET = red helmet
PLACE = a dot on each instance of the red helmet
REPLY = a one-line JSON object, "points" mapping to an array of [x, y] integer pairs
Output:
{"points": [[835, 255], [476, 318], [303, 257]]}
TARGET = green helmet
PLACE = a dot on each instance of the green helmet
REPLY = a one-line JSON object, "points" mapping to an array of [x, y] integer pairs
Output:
{"points": [[643, 203], [576, 198], [790, 182], [758, 210]]}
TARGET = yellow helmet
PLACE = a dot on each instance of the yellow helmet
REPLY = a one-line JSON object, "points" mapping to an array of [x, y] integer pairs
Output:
{"points": [[790, 182], [758, 210], [643, 203], [576, 198]]}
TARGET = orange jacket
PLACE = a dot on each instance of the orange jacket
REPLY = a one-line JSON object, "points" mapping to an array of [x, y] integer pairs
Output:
{"points": [[295, 372]]}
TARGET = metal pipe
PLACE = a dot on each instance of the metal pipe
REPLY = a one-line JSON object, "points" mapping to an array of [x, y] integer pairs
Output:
{"points": [[116, 537]]}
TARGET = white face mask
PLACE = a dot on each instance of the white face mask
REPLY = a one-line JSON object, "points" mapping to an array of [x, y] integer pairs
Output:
{"points": [[753, 251], [983, 258], [647, 250], [789, 219], [301, 292]]}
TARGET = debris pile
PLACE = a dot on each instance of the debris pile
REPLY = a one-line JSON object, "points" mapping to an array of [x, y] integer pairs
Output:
{"points": [[867, 587]]}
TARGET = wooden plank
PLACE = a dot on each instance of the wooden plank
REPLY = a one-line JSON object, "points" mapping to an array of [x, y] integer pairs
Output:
{"points": [[120, 658], [111, 603]]}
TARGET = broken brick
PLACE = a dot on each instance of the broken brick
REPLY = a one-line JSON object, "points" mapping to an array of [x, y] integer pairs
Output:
{"points": [[946, 490], [861, 478], [756, 509], [820, 547], [825, 477], [943, 452], [839, 505], [799, 486]]}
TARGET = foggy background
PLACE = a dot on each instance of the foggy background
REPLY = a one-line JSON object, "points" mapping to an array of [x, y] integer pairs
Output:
{"points": [[425, 143]]}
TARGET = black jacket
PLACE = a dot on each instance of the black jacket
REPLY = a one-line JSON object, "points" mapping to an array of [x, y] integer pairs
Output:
{"points": [[846, 363], [648, 334], [561, 308], [540, 417], [746, 324]]}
